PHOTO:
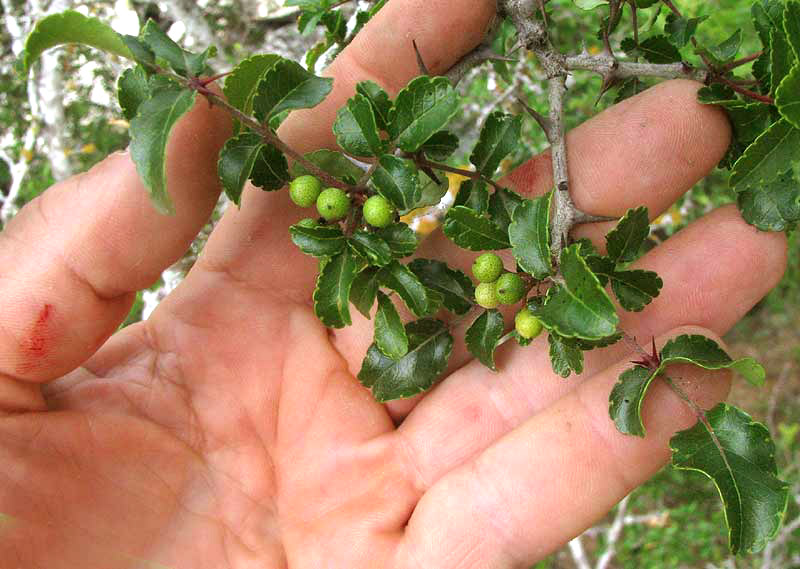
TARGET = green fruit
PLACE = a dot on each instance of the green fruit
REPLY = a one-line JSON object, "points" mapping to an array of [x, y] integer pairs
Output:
{"points": [[378, 212], [333, 204], [510, 288], [487, 268], [305, 190], [527, 325], [307, 222], [486, 295]]}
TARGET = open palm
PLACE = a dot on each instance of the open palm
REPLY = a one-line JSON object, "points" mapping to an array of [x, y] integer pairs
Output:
{"points": [[229, 431]]}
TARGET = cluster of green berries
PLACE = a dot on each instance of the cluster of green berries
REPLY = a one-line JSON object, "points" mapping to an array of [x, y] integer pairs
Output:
{"points": [[333, 204], [499, 287]]}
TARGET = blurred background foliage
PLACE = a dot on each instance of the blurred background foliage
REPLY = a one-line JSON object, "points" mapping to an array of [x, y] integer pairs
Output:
{"points": [[65, 118]]}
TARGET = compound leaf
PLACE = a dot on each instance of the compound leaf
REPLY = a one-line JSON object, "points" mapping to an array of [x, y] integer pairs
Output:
{"points": [[768, 157], [286, 86], [470, 231], [332, 295], [133, 89], [429, 348], [629, 392], [371, 248], [624, 242], [401, 239], [150, 132], [422, 108], [405, 283], [71, 27], [319, 240], [498, 138], [579, 308], [483, 335], [738, 455], [390, 335], [787, 97], [773, 206], [355, 128], [455, 287], [529, 234], [397, 180]]}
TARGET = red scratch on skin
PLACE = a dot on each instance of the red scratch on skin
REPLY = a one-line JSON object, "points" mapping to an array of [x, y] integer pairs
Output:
{"points": [[35, 346]]}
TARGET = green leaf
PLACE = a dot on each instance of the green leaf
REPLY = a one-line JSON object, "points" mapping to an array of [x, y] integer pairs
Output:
{"points": [[380, 101], [738, 455], [240, 85], [473, 194], [529, 234], [680, 30], [180, 60], [150, 132], [655, 49], [768, 157], [365, 289], [787, 97], [589, 4], [483, 335], [422, 108], [401, 239], [356, 130], [774, 206], [624, 242], [748, 120], [396, 179], [371, 247], [706, 353], [429, 348], [470, 231], [431, 191], [728, 49], [635, 289], [390, 335], [791, 25], [142, 54], [629, 88], [334, 163], [286, 86], [499, 137], [400, 279], [71, 27], [565, 356], [133, 89], [579, 308], [782, 58], [629, 392], [236, 161], [502, 204], [332, 295], [455, 287], [270, 170], [440, 146], [318, 241]]}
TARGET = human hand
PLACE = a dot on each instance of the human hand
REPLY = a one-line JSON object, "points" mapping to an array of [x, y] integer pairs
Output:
{"points": [[229, 430]]}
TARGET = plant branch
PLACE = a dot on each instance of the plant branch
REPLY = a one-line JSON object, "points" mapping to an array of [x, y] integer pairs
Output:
{"points": [[425, 163], [610, 67]]}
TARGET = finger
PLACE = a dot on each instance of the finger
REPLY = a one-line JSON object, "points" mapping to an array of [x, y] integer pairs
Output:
{"points": [[554, 476], [73, 258], [714, 271], [648, 150], [253, 242]]}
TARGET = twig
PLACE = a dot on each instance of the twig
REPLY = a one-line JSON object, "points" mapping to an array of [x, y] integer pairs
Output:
{"points": [[608, 66], [613, 535]]}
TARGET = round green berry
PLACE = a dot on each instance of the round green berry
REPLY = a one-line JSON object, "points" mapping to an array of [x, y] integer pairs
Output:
{"points": [[487, 268], [333, 204], [486, 295], [305, 190], [307, 222], [510, 288], [378, 212], [527, 325]]}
